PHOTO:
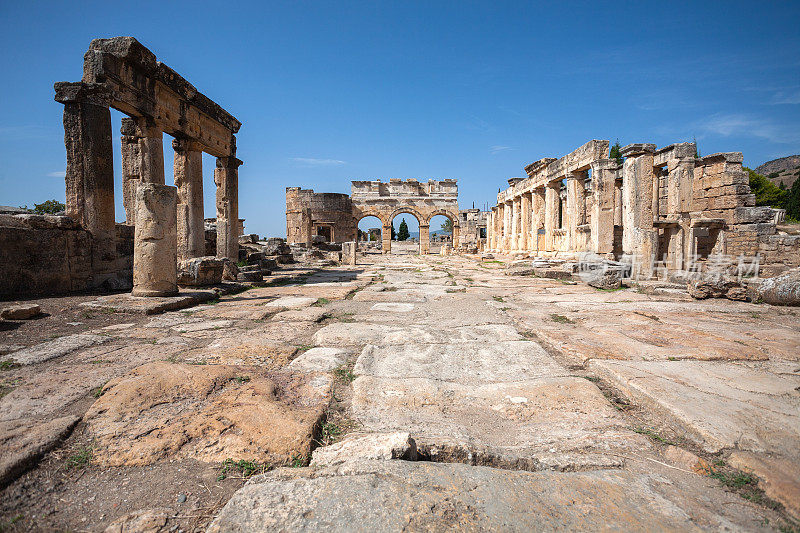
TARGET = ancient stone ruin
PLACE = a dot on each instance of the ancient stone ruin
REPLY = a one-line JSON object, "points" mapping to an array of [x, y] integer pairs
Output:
{"points": [[662, 208], [336, 216], [122, 74]]}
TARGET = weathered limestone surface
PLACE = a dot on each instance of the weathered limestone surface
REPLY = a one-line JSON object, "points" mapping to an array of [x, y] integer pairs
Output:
{"points": [[215, 412], [20, 311], [423, 496], [55, 348], [25, 442]]}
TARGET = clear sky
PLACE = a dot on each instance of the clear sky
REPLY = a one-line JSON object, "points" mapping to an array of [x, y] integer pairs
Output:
{"points": [[333, 91]]}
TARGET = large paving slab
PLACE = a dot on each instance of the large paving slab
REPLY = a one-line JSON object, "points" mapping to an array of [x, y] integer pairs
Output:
{"points": [[468, 363], [351, 334], [423, 496], [562, 423]]}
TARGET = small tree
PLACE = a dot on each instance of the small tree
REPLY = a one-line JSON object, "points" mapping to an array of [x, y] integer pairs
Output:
{"points": [[50, 207], [403, 233], [394, 233], [447, 226], [616, 152], [767, 193]]}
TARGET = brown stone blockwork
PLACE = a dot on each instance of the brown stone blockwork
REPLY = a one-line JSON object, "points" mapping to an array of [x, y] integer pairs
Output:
{"points": [[42, 254], [122, 74], [663, 203]]}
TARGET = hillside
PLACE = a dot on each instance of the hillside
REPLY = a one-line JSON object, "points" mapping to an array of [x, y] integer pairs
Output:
{"points": [[784, 170]]}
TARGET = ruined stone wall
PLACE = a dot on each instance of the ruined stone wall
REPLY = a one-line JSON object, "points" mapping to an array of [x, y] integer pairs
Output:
{"points": [[309, 213], [663, 206], [43, 255]]}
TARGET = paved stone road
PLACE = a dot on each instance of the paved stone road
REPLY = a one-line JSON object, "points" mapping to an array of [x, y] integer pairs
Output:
{"points": [[488, 375]]}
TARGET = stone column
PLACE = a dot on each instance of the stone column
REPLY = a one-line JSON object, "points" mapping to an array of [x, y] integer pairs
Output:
{"points": [[424, 239], [151, 152], [155, 257], [525, 225], [550, 213], [226, 178], [538, 209], [639, 238], [90, 162], [603, 177], [576, 206], [501, 234], [490, 231], [508, 229], [386, 238], [456, 234], [131, 168], [188, 170], [515, 222]]}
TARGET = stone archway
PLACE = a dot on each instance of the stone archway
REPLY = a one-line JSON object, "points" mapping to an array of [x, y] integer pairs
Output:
{"points": [[423, 200], [450, 215]]}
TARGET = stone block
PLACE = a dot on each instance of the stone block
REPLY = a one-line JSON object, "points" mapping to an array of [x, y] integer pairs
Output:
{"points": [[20, 311], [200, 271]]}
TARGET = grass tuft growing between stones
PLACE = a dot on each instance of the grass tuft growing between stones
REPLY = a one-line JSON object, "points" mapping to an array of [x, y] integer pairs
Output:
{"points": [[652, 435], [344, 373], [244, 467], [745, 485], [81, 458], [561, 319], [320, 302], [8, 365]]}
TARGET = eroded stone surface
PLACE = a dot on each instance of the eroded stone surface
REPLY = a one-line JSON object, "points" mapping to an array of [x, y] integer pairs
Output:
{"points": [[207, 412], [55, 348]]}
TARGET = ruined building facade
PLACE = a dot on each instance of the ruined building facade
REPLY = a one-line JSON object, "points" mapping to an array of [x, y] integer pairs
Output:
{"points": [[167, 222], [661, 207], [336, 216]]}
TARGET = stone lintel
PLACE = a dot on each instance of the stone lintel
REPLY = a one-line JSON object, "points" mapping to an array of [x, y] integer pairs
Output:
{"points": [[674, 151], [77, 92], [635, 149], [513, 181], [604, 164], [536, 166], [730, 157]]}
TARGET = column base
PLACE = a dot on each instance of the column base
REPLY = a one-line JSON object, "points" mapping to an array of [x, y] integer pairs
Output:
{"points": [[148, 293]]}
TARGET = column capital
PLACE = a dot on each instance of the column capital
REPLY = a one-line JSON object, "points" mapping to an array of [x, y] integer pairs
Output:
{"points": [[604, 164], [632, 150], [229, 162], [186, 145], [79, 92]]}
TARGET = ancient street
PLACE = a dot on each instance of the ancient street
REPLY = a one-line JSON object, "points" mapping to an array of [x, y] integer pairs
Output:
{"points": [[435, 392]]}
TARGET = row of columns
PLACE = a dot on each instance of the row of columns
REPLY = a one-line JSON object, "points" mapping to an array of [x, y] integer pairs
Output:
{"points": [[517, 223], [168, 220]]}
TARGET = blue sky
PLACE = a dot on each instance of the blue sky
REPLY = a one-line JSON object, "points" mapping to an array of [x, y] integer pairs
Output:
{"points": [[333, 91]]}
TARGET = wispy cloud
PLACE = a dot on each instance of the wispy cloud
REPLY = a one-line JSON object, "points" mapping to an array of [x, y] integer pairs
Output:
{"points": [[58, 174], [496, 149], [747, 126], [314, 162], [786, 97]]}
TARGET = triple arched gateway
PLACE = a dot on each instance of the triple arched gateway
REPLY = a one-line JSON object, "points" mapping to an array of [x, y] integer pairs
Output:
{"points": [[336, 216]]}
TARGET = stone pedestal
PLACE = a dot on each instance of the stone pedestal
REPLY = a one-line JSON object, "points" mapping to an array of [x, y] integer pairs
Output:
{"points": [[188, 169], [349, 253], [155, 261]]}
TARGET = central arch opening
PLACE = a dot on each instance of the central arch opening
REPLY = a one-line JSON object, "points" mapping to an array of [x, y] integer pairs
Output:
{"points": [[405, 239], [441, 232], [369, 234]]}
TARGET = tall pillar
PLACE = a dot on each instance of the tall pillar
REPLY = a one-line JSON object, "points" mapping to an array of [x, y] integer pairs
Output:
{"points": [[508, 234], [551, 213], [131, 168], [538, 209], [515, 222], [90, 162], [424, 239], [501, 234], [456, 233], [155, 264], [386, 238], [151, 152], [603, 178], [226, 178], [490, 231], [639, 238], [576, 206], [525, 222], [188, 170]]}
